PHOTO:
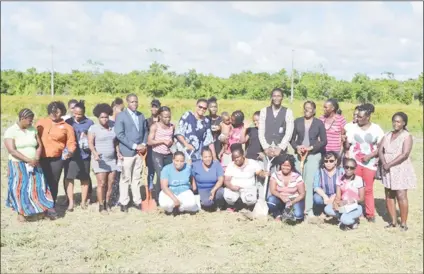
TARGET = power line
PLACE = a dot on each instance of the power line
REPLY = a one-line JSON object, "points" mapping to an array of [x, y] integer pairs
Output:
{"points": [[52, 75]]}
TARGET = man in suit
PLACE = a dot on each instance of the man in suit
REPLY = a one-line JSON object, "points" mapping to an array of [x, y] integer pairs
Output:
{"points": [[131, 132]]}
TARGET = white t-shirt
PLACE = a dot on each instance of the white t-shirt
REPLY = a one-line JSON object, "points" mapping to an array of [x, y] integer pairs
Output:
{"points": [[244, 176], [364, 142], [348, 127]]}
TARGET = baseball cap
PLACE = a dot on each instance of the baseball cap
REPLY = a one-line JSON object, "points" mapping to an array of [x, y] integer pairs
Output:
{"points": [[155, 102]]}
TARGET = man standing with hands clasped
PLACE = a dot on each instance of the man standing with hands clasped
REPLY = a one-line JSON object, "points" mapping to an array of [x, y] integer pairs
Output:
{"points": [[276, 124], [131, 132]]}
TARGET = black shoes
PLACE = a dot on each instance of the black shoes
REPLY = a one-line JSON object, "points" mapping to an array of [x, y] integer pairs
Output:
{"points": [[124, 208]]}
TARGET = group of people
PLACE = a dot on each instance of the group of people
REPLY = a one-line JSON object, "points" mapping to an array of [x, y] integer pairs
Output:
{"points": [[211, 161]]}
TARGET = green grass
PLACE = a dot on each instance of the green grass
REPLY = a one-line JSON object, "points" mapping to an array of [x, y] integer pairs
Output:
{"points": [[11, 105]]}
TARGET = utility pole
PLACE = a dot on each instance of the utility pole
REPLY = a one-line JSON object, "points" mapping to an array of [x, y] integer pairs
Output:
{"points": [[292, 78], [52, 75]]}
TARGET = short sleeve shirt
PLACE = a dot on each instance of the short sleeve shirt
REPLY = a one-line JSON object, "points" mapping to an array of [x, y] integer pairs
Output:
{"points": [[244, 176], [364, 142], [206, 179], [25, 140], [178, 180], [350, 189]]}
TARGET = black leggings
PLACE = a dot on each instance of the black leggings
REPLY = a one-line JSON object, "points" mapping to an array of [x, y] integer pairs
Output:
{"points": [[52, 169], [159, 161]]}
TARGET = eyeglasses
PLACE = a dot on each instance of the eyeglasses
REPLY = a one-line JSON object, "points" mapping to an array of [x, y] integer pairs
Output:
{"points": [[329, 161], [204, 108], [349, 167]]}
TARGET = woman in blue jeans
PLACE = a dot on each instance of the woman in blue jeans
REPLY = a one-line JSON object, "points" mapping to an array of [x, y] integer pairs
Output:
{"points": [[208, 179], [350, 191], [325, 182], [287, 191]]}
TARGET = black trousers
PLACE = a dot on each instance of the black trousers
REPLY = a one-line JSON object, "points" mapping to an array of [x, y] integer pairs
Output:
{"points": [[159, 161], [52, 169]]}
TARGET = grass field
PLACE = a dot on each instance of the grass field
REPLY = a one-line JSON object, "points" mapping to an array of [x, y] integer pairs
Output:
{"points": [[85, 241], [11, 105]]}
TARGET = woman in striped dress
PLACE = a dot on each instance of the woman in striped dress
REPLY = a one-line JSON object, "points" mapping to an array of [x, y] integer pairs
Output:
{"points": [[28, 193], [161, 138]]}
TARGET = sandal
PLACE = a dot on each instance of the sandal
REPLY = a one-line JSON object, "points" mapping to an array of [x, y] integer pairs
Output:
{"points": [[403, 228], [390, 225]]}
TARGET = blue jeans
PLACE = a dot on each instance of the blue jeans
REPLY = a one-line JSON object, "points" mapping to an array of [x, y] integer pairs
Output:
{"points": [[218, 200], [276, 207], [345, 218]]}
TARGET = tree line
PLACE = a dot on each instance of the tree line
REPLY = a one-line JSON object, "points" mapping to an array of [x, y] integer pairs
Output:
{"points": [[159, 81]]}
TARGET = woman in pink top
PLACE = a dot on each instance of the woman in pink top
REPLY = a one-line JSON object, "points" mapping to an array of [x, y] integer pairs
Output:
{"points": [[334, 124], [287, 190], [350, 190], [161, 138], [235, 136]]}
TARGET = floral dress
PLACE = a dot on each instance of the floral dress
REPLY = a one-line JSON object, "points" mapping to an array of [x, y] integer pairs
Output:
{"points": [[198, 133], [402, 176]]}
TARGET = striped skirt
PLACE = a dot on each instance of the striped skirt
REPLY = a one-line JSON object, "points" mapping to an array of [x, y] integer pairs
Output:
{"points": [[28, 193]]}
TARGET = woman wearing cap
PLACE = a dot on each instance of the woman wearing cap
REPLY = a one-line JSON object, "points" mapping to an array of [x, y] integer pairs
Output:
{"points": [[153, 119], [27, 192], [194, 132], [78, 167]]}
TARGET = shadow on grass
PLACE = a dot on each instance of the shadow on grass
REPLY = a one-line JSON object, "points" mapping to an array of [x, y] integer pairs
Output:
{"points": [[380, 208]]}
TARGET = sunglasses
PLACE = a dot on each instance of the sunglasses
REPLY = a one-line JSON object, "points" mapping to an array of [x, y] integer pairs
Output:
{"points": [[349, 167], [329, 161], [204, 108]]}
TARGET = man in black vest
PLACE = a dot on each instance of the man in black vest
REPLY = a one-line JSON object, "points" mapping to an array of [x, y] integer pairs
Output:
{"points": [[276, 124]]}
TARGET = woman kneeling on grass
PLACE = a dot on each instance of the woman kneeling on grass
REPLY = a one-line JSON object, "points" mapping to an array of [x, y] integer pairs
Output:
{"points": [[288, 191], [240, 180], [325, 182], [208, 179], [105, 150], [28, 193], [349, 193], [176, 195]]}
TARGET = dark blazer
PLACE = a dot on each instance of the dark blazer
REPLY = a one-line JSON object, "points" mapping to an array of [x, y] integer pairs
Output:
{"points": [[316, 130], [127, 133]]}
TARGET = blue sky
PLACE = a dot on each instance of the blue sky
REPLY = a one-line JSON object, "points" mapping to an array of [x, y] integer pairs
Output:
{"points": [[341, 38]]}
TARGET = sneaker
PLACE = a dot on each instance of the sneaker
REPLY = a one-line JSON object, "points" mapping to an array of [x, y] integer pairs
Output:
{"points": [[230, 209]]}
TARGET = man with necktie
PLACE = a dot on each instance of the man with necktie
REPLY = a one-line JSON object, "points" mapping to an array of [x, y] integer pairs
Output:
{"points": [[131, 132]]}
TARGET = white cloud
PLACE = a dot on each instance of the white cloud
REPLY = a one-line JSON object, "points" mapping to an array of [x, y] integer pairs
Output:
{"points": [[219, 38]]}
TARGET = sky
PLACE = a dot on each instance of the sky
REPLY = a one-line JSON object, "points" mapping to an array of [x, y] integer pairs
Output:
{"points": [[340, 38]]}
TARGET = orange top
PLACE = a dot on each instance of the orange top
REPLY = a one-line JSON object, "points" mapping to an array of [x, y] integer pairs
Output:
{"points": [[55, 137]]}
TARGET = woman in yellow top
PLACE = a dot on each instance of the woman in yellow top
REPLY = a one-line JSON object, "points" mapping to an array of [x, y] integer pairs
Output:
{"points": [[28, 193]]}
